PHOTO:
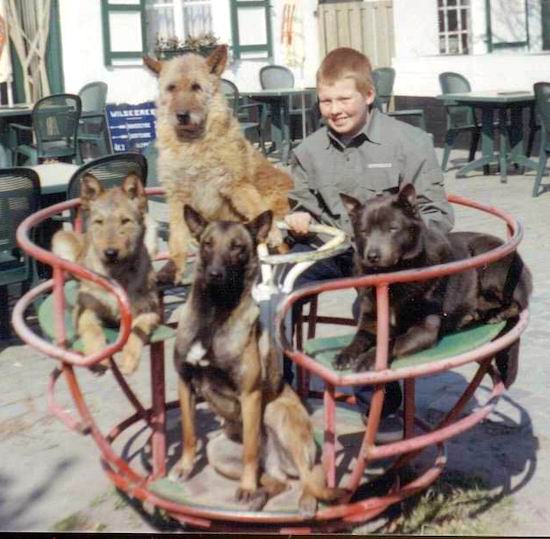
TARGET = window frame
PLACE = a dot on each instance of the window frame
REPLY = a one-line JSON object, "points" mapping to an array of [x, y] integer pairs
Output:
{"points": [[491, 45], [107, 9], [444, 9], [239, 49]]}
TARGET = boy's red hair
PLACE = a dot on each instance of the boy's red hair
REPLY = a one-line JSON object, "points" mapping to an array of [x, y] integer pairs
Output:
{"points": [[343, 63]]}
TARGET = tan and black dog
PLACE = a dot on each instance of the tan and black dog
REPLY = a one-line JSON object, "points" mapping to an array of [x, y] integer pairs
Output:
{"points": [[224, 354], [113, 245], [390, 235], [204, 159]]}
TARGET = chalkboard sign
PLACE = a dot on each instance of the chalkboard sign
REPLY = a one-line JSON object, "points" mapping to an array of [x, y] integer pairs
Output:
{"points": [[131, 127]]}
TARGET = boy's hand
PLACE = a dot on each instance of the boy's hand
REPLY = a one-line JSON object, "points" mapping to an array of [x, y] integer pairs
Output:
{"points": [[299, 222]]}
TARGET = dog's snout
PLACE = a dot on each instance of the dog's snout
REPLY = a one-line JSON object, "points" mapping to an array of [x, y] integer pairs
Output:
{"points": [[184, 118], [215, 274], [111, 254], [373, 256]]}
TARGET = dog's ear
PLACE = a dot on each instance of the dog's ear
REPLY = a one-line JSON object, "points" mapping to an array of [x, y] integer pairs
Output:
{"points": [[90, 189], [406, 198], [352, 205], [217, 60], [154, 65], [195, 221], [261, 225], [133, 187]]}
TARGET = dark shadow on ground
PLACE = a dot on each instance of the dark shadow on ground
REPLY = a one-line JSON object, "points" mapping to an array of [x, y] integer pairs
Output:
{"points": [[13, 505]]}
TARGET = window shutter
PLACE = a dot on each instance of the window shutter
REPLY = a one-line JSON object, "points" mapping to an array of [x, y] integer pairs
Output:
{"points": [[123, 31], [251, 29]]}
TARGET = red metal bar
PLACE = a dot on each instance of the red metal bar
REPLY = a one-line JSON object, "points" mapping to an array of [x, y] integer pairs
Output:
{"points": [[158, 417], [329, 450]]}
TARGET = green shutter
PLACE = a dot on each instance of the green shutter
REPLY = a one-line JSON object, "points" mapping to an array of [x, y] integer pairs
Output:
{"points": [[108, 9], [493, 42], [264, 50], [545, 16]]}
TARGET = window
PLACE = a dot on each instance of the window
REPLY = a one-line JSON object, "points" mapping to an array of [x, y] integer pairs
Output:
{"points": [[454, 26], [179, 18]]}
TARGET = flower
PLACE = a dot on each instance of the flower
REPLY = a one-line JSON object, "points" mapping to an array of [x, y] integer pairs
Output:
{"points": [[191, 43]]}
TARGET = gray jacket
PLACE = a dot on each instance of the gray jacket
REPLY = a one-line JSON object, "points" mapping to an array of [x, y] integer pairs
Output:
{"points": [[385, 154]]}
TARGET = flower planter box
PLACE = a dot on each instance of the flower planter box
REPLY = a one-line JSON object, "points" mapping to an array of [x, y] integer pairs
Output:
{"points": [[167, 54]]}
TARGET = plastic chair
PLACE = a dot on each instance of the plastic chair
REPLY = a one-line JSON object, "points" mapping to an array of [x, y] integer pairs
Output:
{"points": [[54, 128], [92, 129], [383, 78], [243, 112], [278, 76], [460, 118], [19, 197], [542, 108], [110, 170]]}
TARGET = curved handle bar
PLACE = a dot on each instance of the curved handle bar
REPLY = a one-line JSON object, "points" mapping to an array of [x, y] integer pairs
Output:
{"points": [[330, 248]]}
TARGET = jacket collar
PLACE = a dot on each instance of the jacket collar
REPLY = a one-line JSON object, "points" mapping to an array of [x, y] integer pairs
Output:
{"points": [[371, 130]]}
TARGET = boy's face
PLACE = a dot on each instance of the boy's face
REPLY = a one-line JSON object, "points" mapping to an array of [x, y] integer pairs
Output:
{"points": [[343, 107]]}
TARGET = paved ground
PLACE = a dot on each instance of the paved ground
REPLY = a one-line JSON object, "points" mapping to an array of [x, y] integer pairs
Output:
{"points": [[51, 478]]}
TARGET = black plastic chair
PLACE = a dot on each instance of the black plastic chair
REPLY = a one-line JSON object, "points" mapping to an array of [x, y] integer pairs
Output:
{"points": [[460, 118], [383, 79], [19, 198], [110, 170], [92, 128], [54, 129], [542, 108], [251, 116], [278, 76]]}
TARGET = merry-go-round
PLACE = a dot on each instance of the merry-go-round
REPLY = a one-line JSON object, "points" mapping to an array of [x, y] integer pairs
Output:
{"points": [[138, 451]]}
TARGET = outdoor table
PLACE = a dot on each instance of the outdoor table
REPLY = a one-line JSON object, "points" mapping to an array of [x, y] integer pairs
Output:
{"points": [[278, 99], [510, 133], [54, 179], [8, 112]]}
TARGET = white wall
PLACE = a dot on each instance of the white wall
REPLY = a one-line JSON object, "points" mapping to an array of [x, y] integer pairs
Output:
{"points": [[82, 49], [417, 61], [82, 42]]}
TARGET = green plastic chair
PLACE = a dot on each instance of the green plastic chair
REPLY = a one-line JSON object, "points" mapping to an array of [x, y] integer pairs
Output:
{"points": [[278, 76], [110, 170], [244, 112], [19, 198], [383, 79], [92, 128], [460, 118], [54, 129], [542, 108]]}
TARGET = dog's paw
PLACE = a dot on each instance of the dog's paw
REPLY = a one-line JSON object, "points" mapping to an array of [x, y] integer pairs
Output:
{"points": [[180, 472], [167, 274], [307, 505], [275, 236], [365, 361], [343, 361], [129, 363], [254, 499]]}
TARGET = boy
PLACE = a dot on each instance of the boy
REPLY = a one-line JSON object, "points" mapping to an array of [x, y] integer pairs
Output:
{"points": [[363, 153]]}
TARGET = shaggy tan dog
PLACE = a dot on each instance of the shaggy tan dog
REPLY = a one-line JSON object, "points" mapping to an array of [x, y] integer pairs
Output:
{"points": [[204, 160]]}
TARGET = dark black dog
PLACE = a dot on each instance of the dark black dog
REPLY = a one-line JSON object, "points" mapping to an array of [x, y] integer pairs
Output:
{"points": [[391, 236]]}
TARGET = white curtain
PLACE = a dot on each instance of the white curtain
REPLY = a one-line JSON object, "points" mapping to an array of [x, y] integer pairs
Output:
{"points": [[5, 63]]}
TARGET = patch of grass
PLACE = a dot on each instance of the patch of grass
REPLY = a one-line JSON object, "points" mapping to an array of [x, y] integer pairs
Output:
{"points": [[100, 499], [455, 504], [75, 522]]}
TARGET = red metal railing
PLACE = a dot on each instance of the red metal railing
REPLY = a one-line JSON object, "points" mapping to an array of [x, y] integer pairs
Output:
{"points": [[126, 477]]}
